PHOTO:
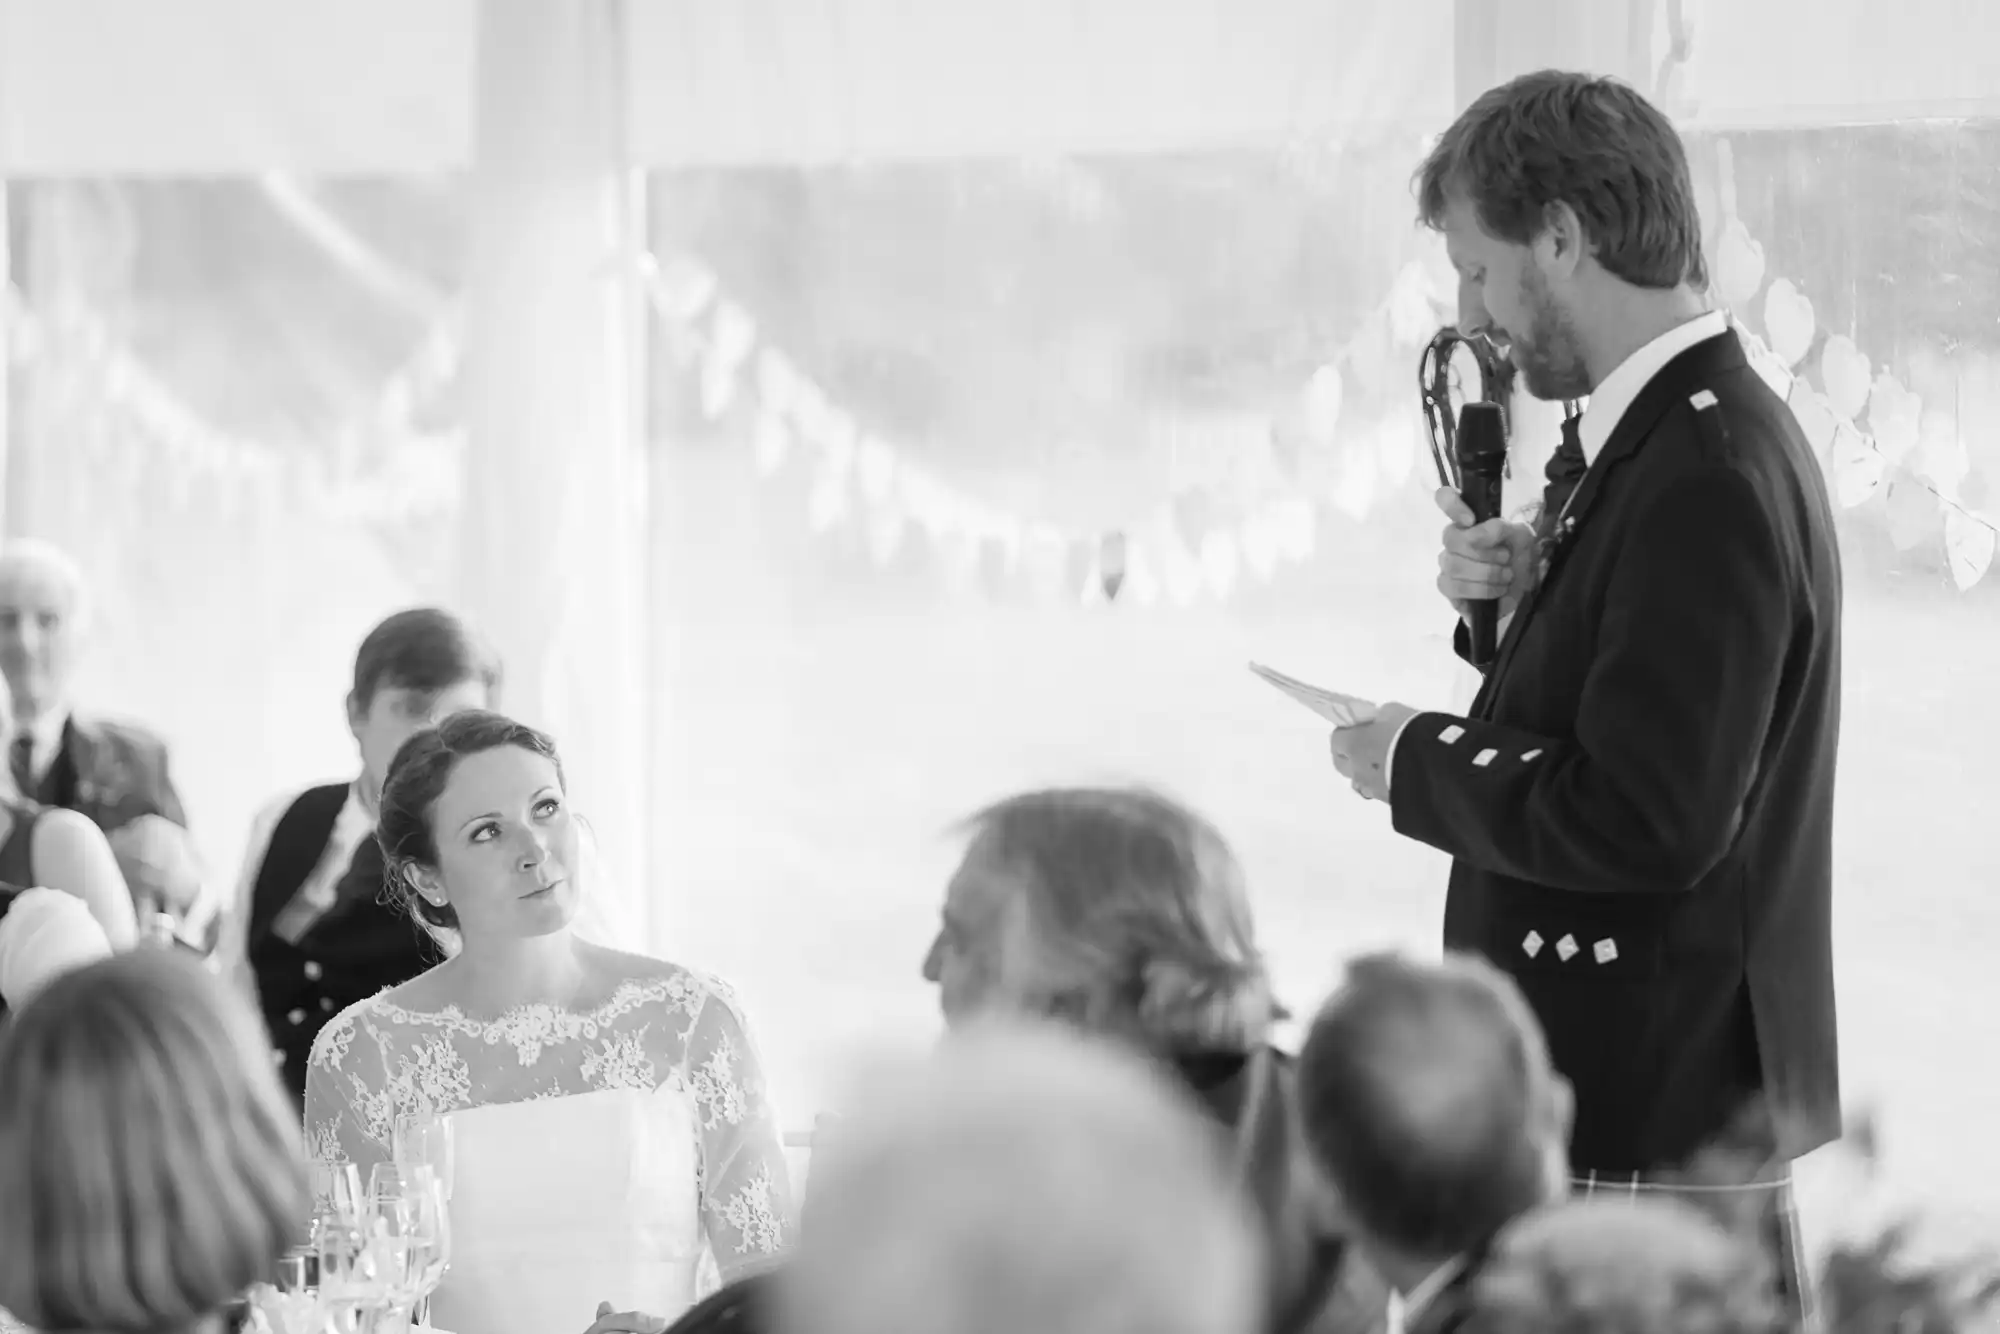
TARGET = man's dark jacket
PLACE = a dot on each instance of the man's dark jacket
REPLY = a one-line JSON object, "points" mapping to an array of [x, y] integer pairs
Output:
{"points": [[1640, 807]]}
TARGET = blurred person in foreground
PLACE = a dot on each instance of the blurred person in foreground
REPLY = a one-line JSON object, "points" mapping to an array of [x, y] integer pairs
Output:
{"points": [[1430, 1104], [1639, 806], [111, 772], [44, 933], [1023, 1178], [1125, 914], [149, 1160], [1601, 1266]]}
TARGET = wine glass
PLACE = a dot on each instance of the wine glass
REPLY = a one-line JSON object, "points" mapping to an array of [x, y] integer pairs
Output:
{"points": [[332, 1257], [290, 1303], [425, 1139], [354, 1284], [337, 1191], [430, 1255], [411, 1231]]}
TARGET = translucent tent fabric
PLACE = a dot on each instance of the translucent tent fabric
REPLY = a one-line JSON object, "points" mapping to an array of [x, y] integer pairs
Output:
{"points": [[343, 87], [378, 86]]}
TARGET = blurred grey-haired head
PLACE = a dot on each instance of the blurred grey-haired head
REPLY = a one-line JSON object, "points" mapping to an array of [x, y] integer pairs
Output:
{"points": [[1120, 910], [1023, 1177]]}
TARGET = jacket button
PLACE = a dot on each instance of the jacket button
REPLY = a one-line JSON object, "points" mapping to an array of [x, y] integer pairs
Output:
{"points": [[313, 971], [296, 1017]]}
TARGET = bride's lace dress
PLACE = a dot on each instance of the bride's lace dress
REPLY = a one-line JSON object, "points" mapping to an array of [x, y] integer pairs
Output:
{"points": [[599, 1153]]}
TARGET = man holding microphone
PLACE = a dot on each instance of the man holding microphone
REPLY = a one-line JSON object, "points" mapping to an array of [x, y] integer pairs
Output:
{"points": [[1639, 806]]}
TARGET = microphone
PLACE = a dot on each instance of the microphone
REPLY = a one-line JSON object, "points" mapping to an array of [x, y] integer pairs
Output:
{"points": [[1481, 447]]}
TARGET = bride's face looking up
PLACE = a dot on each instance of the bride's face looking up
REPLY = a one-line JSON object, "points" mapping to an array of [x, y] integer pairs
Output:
{"points": [[506, 845], [476, 829]]}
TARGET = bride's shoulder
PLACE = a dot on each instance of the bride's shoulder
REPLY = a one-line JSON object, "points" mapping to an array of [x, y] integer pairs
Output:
{"points": [[419, 1002], [621, 972], [430, 994], [376, 1017]]}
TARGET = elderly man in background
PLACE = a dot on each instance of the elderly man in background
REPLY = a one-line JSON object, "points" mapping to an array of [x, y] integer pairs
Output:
{"points": [[111, 771], [1125, 915], [1431, 1105], [1023, 1179]]}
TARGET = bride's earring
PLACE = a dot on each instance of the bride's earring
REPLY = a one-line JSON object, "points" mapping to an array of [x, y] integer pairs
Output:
{"points": [[434, 897]]}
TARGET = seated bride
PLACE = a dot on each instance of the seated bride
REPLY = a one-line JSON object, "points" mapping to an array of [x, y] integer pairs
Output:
{"points": [[609, 1119]]}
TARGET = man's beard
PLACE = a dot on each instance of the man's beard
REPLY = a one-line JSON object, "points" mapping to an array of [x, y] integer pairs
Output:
{"points": [[1550, 358]]}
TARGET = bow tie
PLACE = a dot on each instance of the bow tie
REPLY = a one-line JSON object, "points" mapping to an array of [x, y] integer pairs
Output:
{"points": [[1565, 471]]}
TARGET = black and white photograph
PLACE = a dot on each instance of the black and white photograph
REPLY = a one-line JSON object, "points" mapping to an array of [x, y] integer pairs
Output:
{"points": [[999, 667]]}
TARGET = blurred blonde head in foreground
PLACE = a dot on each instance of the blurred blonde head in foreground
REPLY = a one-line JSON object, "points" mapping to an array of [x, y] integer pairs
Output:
{"points": [[1023, 1178], [1617, 1266], [1119, 910], [149, 1160]]}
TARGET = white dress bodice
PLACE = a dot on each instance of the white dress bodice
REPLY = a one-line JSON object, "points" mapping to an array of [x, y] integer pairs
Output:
{"points": [[594, 1195], [614, 1154]]}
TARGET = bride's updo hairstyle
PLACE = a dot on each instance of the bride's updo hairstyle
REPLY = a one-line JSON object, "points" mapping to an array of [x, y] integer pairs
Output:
{"points": [[150, 1162], [417, 777]]}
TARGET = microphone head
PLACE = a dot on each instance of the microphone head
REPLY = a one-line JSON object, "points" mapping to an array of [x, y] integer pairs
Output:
{"points": [[1481, 443]]}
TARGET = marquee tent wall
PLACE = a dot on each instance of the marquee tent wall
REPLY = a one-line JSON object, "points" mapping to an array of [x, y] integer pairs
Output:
{"points": [[332, 87]]}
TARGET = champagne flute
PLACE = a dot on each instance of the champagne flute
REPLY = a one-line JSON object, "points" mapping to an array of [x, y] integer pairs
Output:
{"points": [[290, 1304], [352, 1288], [330, 1254], [337, 1191], [425, 1139], [430, 1255], [410, 1231]]}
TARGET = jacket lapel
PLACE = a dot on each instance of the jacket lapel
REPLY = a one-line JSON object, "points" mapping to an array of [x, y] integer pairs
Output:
{"points": [[80, 739], [1676, 381], [75, 763]]}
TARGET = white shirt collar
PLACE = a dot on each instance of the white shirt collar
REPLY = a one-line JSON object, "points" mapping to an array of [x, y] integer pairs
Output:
{"points": [[1608, 405], [357, 809], [1418, 1299]]}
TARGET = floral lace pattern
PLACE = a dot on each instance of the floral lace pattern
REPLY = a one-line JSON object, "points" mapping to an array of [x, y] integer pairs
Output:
{"points": [[679, 1031]]}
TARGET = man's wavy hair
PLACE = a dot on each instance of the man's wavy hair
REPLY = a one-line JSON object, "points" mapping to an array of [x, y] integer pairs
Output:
{"points": [[1133, 918], [1592, 143]]}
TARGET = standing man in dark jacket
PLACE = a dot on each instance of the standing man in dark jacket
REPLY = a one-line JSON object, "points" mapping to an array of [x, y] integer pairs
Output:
{"points": [[1639, 807], [311, 931]]}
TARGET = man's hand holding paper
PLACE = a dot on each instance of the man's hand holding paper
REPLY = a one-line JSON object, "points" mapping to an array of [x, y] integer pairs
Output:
{"points": [[1364, 754], [1364, 736], [1338, 709]]}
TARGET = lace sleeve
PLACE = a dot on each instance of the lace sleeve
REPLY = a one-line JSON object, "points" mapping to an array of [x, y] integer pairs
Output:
{"points": [[746, 1187], [341, 1111]]}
